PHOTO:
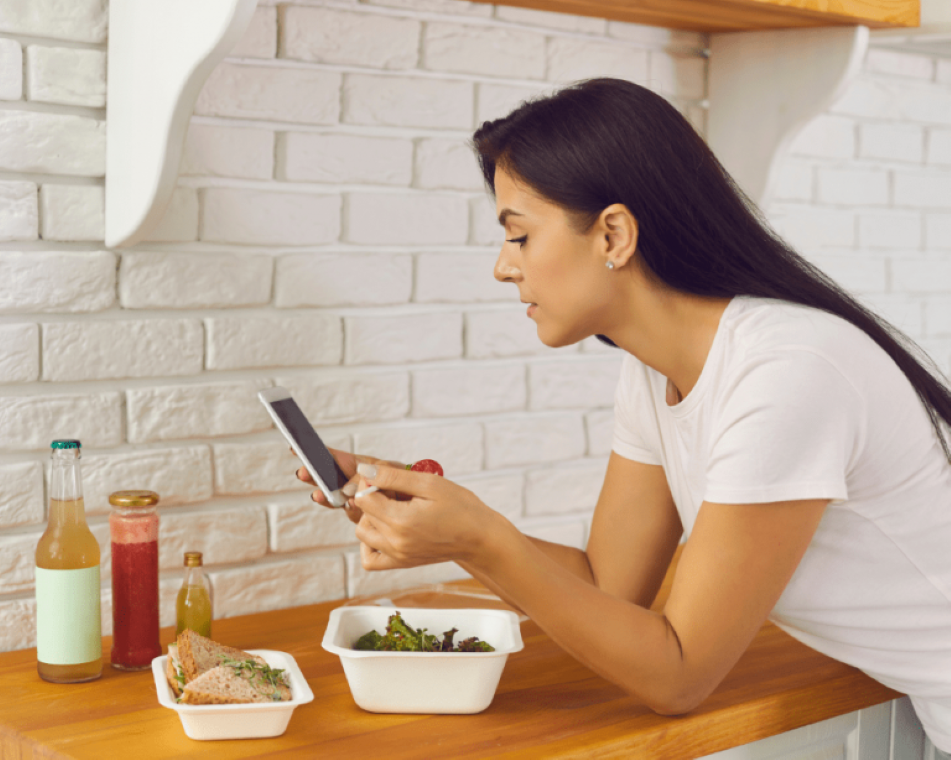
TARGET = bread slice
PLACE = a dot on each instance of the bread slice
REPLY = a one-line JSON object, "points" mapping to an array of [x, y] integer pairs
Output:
{"points": [[220, 686], [223, 686], [198, 654], [173, 671]]}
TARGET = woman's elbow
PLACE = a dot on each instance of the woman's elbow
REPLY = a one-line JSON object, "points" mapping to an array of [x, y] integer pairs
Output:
{"points": [[677, 705], [676, 698]]}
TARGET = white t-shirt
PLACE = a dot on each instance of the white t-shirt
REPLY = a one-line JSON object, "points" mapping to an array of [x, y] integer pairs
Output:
{"points": [[794, 403]]}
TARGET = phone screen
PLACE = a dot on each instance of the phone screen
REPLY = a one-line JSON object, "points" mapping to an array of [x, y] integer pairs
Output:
{"points": [[308, 440]]}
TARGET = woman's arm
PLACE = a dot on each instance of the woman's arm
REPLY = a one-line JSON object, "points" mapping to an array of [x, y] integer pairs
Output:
{"points": [[634, 533], [732, 571]]}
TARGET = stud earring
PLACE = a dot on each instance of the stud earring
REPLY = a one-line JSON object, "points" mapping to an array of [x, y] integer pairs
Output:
{"points": [[610, 265]]}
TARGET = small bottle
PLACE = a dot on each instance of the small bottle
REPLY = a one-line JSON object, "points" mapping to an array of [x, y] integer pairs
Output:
{"points": [[134, 528], [193, 606], [68, 627]]}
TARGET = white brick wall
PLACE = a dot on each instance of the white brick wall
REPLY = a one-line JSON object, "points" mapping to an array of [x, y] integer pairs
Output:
{"points": [[59, 144], [11, 70], [327, 35], [180, 475], [67, 76], [127, 348], [418, 219], [407, 102], [56, 281], [73, 212], [228, 152], [249, 216], [19, 214], [21, 494], [29, 423], [344, 158], [186, 280], [343, 279], [19, 353], [329, 233], [301, 96], [273, 341], [192, 411], [876, 215]]}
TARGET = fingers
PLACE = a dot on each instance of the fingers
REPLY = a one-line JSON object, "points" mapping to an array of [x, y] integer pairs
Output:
{"points": [[354, 513], [351, 486], [395, 479], [369, 534], [371, 559]]}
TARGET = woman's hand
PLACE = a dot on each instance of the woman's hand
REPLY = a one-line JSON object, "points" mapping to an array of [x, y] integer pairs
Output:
{"points": [[442, 521], [348, 463]]}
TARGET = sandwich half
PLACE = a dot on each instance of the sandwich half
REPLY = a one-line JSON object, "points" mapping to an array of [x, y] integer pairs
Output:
{"points": [[228, 685], [203, 672]]}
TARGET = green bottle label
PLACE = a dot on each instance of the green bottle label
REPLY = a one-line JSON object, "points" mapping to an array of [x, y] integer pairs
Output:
{"points": [[68, 628]]}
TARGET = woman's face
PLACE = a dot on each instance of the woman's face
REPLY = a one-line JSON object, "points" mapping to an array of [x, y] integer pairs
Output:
{"points": [[559, 272]]}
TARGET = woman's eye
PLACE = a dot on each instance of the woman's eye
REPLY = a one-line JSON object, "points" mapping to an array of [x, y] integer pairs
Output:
{"points": [[519, 240]]}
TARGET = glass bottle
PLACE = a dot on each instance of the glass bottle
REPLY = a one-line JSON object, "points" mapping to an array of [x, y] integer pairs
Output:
{"points": [[68, 627], [193, 606], [134, 528]]}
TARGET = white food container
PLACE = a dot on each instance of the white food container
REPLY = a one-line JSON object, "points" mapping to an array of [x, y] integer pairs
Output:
{"points": [[251, 721], [423, 682]]}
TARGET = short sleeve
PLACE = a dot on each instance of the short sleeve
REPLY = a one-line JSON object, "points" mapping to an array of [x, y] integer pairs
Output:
{"points": [[789, 426], [636, 432]]}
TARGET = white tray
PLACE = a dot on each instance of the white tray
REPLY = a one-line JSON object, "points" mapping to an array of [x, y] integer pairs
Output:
{"points": [[251, 721]]}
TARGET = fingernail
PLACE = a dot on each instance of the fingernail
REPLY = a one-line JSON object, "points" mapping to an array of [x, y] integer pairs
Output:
{"points": [[365, 492], [367, 470], [349, 490]]}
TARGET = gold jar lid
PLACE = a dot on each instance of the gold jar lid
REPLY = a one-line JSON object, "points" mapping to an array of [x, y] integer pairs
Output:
{"points": [[133, 499], [192, 559]]}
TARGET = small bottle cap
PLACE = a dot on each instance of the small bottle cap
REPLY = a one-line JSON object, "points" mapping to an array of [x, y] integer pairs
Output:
{"points": [[66, 443], [133, 499], [192, 559]]}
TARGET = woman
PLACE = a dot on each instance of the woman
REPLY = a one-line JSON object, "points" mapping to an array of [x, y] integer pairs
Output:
{"points": [[794, 438]]}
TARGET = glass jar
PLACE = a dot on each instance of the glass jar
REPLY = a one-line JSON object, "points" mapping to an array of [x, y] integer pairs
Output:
{"points": [[134, 528], [193, 606], [68, 629]]}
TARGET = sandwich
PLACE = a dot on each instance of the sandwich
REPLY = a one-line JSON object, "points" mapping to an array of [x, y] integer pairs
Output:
{"points": [[203, 672]]}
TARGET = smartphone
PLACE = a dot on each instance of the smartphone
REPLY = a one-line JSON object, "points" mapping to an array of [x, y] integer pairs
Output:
{"points": [[298, 431]]}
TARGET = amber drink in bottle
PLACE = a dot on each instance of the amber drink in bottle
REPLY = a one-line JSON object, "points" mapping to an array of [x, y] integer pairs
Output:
{"points": [[193, 606], [68, 629]]}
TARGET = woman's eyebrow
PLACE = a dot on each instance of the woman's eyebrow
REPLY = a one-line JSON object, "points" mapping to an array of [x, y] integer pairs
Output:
{"points": [[506, 213]]}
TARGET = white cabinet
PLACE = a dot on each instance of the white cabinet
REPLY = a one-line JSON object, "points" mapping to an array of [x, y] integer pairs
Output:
{"points": [[890, 731]]}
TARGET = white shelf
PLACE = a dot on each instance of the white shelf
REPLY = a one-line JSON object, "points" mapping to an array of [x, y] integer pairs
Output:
{"points": [[160, 54]]}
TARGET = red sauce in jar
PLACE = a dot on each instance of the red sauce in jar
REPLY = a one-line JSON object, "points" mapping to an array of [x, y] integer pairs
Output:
{"points": [[135, 585]]}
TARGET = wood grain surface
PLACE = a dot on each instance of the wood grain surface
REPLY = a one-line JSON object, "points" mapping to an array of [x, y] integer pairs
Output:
{"points": [[547, 705], [712, 16]]}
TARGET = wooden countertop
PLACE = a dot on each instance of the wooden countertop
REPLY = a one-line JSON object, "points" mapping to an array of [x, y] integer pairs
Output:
{"points": [[547, 705]]}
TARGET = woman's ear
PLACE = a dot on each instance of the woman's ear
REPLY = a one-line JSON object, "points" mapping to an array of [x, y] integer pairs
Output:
{"points": [[618, 228]]}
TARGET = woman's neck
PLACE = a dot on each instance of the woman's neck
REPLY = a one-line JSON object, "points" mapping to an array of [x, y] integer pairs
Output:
{"points": [[670, 332]]}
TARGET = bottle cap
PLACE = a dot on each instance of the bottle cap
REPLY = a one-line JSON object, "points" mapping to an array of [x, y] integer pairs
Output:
{"points": [[66, 443], [192, 559], [133, 499]]}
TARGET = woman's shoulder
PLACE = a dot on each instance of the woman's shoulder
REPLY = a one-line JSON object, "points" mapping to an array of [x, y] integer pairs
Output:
{"points": [[760, 325]]}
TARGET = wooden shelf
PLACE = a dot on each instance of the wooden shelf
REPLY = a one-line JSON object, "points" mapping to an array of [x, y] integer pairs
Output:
{"points": [[713, 16]]}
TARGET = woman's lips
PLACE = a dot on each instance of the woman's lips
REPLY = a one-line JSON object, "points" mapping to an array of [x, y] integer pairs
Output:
{"points": [[531, 309]]}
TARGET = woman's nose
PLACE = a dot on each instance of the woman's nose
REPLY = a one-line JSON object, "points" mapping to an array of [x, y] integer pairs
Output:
{"points": [[505, 270]]}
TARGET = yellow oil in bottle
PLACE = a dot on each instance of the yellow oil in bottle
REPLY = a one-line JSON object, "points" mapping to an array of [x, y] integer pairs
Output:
{"points": [[68, 544], [193, 606]]}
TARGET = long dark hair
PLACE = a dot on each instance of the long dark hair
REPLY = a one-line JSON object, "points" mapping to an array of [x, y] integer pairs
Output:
{"points": [[607, 141]]}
